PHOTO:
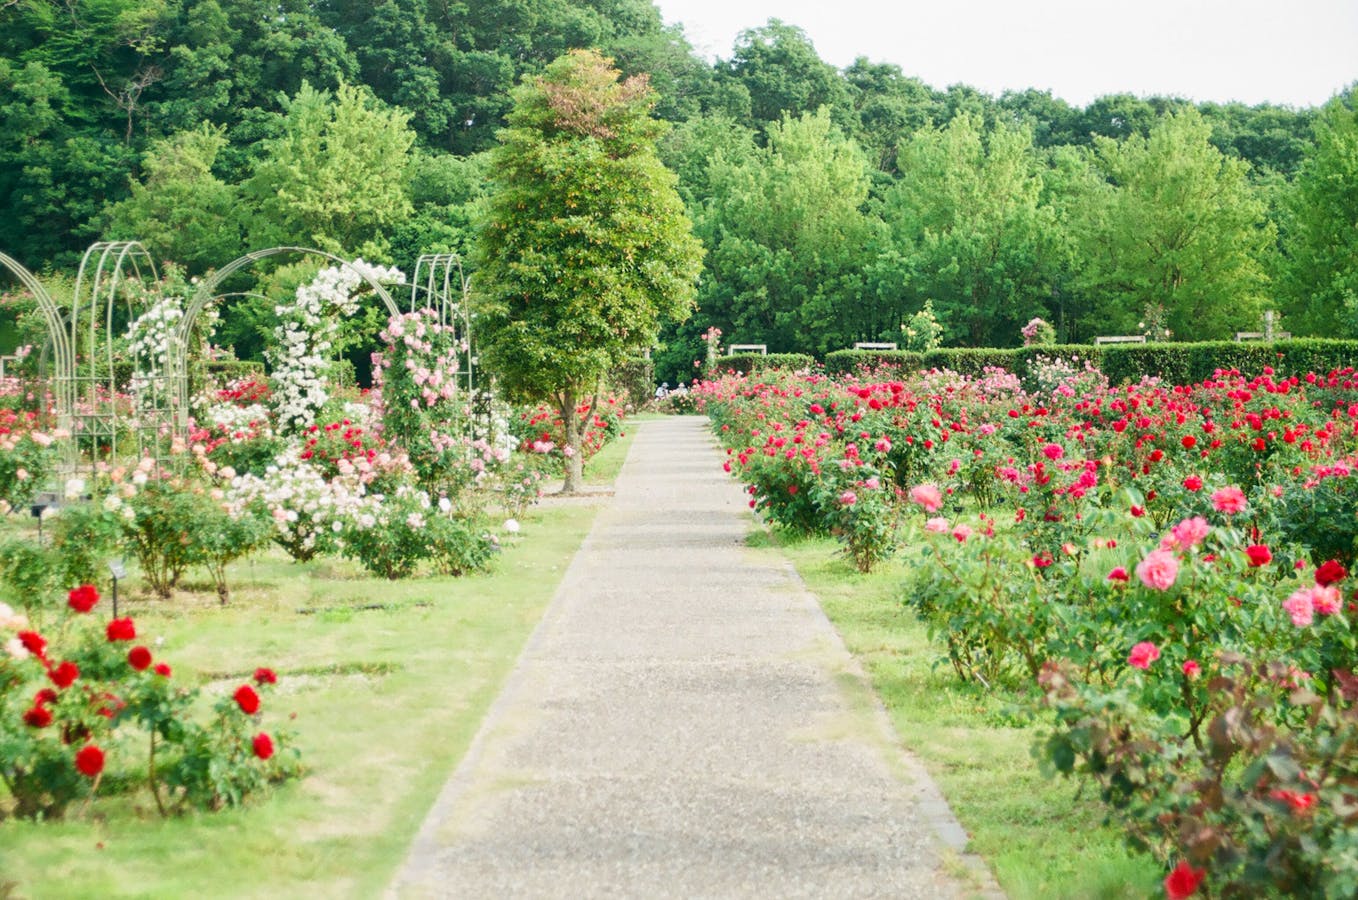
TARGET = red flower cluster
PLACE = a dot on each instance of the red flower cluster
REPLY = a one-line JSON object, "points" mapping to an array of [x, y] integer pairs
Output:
{"points": [[83, 598], [139, 658], [90, 760], [247, 699], [1184, 881], [263, 745], [121, 630]]}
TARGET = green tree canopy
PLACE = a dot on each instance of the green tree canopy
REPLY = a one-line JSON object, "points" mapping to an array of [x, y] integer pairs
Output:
{"points": [[1320, 271], [967, 221], [794, 261], [335, 178], [1175, 225], [585, 249], [180, 210]]}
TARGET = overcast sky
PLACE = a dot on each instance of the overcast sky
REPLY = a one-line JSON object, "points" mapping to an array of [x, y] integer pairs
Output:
{"points": [[1297, 52]]}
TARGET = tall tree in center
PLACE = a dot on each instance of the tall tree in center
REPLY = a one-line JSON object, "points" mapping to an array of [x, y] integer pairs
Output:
{"points": [[585, 249]]}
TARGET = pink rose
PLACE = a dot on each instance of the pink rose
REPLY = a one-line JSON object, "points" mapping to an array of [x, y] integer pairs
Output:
{"points": [[927, 496], [1192, 669], [938, 525], [1229, 500], [1143, 654], [1187, 534], [1325, 599], [1158, 570], [848, 498], [962, 532], [1299, 607]]}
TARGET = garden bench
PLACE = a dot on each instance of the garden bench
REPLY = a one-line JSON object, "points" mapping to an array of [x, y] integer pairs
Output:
{"points": [[1121, 339]]}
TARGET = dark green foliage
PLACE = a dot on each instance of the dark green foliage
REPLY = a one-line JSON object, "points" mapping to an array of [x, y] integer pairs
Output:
{"points": [[635, 378], [1190, 362], [756, 362]]}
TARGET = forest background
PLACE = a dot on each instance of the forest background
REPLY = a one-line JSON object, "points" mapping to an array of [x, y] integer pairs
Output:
{"points": [[832, 203]]}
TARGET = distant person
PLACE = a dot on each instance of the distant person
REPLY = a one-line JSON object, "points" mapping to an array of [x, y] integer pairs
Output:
{"points": [[681, 391], [663, 391]]}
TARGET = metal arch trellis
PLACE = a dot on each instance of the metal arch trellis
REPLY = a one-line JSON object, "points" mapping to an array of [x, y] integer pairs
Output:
{"points": [[206, 295], [57, 337], [439, 284], [88, 385]]}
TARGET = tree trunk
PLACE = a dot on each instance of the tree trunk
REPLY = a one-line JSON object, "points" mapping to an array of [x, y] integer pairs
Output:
{"points": [[575, 459]]}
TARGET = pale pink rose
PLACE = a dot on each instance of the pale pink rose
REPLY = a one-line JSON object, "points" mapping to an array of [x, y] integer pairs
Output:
{"points": [[1143, 654], [938, 525], [1229, 500], [927, 496], [848, 498], [873, 483], [883, 445], [962, 532], [1325, 600], [1300, 608], [1187, 534], [1158, 570]]}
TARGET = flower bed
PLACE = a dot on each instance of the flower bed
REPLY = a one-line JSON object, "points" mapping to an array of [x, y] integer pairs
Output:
{"points": [[1163, 566]]}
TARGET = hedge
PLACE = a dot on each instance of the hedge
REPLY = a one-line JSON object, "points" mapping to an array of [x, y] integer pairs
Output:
{"points": [[1179, 363], [1187, 363], [745, 363]]}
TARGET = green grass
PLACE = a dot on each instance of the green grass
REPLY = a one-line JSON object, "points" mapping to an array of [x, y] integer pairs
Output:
{"points": [[1040, 838], [389, 682]]}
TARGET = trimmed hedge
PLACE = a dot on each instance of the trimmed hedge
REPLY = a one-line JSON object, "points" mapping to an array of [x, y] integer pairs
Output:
{"points": [[745, 363], [1179, 363], [1192, 362]]}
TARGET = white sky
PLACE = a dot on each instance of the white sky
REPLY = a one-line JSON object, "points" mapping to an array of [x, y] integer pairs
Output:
{"points": [[1297, 52]]}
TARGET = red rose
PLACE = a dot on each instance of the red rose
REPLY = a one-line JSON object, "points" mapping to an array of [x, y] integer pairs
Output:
{"points": [[33, 643], [121, 630], [247, 699], [265, 676], [139, 658], [46, 695], [90, 760], [1183, 881], [83, 598], [1329, 572], [38, 717], [64, 675], [263, 745], [1193, 483], [162, 669], [1259, 555], [1189, 442]]}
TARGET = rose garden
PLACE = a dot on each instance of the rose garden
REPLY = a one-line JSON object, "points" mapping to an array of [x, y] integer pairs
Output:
{"points": [[277, 537]]}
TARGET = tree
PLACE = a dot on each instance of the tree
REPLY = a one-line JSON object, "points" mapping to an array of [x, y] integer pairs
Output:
{"points": [[1177, 225], [335, 178], [180, 210], [1320, 269], [585, 249], [968, 223], [794, 261], [780, 68]]}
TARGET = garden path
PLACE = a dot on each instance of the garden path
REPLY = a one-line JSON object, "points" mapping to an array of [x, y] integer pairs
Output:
{"points": [[686, 723]]}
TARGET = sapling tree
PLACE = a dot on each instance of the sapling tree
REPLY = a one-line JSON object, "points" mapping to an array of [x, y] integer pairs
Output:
{"points": [[585, 248]]}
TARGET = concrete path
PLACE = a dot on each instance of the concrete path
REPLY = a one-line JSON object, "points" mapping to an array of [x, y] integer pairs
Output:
{"points": [[685, 723]]}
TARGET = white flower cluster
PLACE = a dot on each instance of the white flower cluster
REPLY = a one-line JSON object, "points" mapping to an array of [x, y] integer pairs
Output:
{"points": [[306, 333], [230, 418], [150, 340], [307, 510]]}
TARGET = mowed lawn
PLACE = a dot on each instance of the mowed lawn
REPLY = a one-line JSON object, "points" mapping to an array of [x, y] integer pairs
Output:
{"points": [[384, 685]]}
